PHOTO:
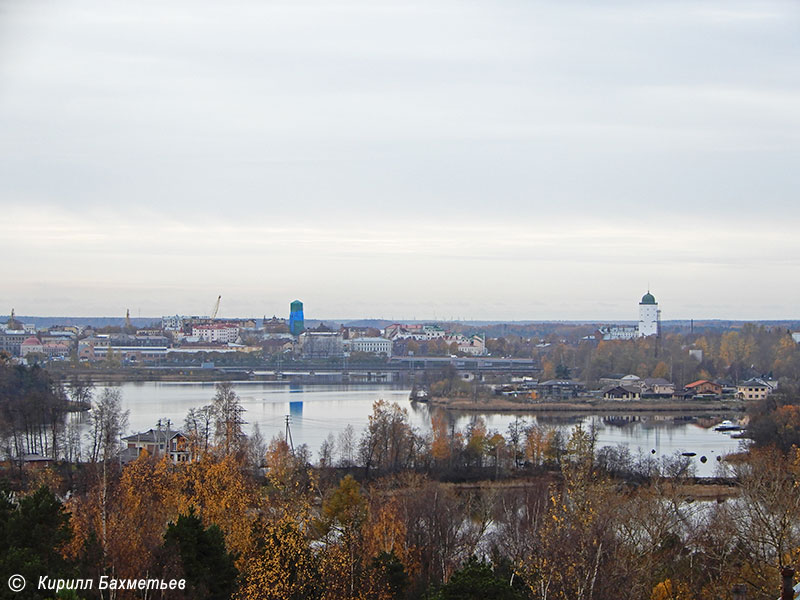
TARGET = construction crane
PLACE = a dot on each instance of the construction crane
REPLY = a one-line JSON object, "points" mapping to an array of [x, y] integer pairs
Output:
{"points": [[215, 310]]}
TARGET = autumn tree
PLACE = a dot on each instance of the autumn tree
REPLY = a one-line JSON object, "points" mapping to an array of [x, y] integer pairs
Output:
{"points": [[388, 444], [228, 434], [669, 590], [283, 566], [439, 529], [145, 500], [224, 494], [385, 531], [476, 442], [768, 515], [576, 539], [343, 514], [286, 470], [441, 445]]}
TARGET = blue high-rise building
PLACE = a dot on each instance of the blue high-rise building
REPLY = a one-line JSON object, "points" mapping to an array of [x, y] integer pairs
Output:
{"points": [[296, 320]]}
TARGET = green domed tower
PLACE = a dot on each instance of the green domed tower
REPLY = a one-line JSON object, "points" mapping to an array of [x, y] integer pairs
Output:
{"points": [[648, 298]]}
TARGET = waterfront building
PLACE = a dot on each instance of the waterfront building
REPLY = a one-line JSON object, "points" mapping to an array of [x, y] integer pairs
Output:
{"points": [[321, 344], [704, 387], [370, 345], [558, 389], [621, 392], [657, 387], [754, 389], [128, 354]]}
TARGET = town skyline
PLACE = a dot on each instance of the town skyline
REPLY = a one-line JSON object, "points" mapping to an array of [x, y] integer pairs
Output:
{"points": [[443, 317]]}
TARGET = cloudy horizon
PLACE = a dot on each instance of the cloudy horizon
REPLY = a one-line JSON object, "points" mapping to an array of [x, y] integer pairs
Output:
{"points": [[381, 159]]}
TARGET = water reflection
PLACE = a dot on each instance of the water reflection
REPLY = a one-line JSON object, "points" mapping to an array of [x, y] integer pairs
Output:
{"points": [[319, 410]]}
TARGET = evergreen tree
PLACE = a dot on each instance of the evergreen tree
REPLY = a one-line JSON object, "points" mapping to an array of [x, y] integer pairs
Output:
{"points": [[32, 534], [476, 581], [208, 567]]}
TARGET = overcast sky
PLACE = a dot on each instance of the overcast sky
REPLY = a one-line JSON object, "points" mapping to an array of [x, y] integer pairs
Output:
{"points": [[489, 159]]}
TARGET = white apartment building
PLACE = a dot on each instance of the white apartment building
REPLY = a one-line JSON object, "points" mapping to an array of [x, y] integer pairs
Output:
{"points": [[218, 332], [371, 345]]}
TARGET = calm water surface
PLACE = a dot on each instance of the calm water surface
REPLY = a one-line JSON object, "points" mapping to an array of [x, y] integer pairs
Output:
{"points": [[319, 410]]}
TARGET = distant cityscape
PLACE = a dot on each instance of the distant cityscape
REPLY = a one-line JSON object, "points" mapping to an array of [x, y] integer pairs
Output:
{"points": [[187, 335], [200, 340]]}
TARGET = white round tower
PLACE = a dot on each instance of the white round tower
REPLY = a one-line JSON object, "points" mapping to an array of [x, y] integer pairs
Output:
{"points": [[648, 315]]}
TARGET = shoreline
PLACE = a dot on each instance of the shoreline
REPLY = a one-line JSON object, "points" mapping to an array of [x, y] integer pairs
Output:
{"points": [[589, 406], [198, 375]]}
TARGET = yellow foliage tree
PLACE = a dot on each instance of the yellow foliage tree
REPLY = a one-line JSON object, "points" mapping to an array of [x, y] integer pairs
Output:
{"points": [[144, 503], [535, 445], [440, 448], [224, 496], [283, 568], [667, 590], [661, 370]]}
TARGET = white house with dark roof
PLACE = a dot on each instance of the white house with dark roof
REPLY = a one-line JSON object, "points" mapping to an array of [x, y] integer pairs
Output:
{"points": [[754, 389], [158, 442]]}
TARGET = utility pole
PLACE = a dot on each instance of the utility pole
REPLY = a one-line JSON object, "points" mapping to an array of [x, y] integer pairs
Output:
{"points": [[287, 436]]}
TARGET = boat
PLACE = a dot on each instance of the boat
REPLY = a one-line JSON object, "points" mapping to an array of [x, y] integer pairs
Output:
{"points": [[727, 426], [418, 395]]}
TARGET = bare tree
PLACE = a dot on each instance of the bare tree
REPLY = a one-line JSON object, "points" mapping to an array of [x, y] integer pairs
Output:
{"points": [[81, 390], [769, 512], [347, 444], [108, 422], [326, 451], [256, 449], [228, 433], [198, 424]]}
